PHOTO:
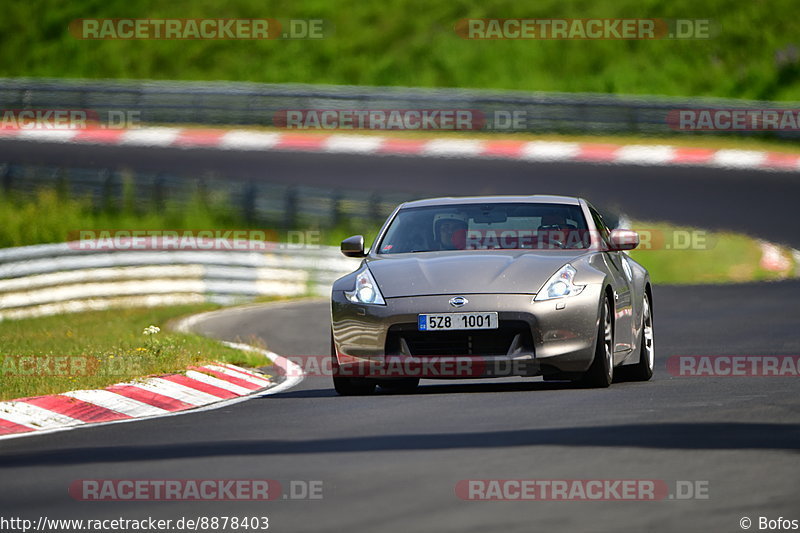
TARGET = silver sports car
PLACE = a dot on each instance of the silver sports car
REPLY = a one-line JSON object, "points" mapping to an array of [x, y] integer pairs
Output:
{"points": [[488, 287]]}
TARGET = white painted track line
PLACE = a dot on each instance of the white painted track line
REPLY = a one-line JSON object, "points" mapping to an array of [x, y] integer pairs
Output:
{"points": [[216, 382], [33, 416], [240, 375], [175, 391], [150, 136], [116, 402]]}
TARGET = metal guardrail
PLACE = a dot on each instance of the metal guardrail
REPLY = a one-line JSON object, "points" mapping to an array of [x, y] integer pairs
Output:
{"points": [[258, 203], [50, 279], [259, 104]]}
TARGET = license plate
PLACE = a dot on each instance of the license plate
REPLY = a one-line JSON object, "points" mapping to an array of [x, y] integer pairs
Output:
{"points": [[451, 321]]}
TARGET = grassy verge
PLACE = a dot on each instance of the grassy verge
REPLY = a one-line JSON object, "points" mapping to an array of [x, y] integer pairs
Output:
{"points": [[751, 52], [49, 216], [99, 348], [682, 255]]}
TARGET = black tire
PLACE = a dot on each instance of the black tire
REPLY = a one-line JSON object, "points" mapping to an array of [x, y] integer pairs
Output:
{"points": [[404, 385], [349, 386], [601, 373], [643, 370]]}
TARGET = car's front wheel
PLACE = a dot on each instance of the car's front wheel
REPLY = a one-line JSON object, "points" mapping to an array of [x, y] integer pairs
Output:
{"points": [[601, 373], [346, 386], [643, 370]]}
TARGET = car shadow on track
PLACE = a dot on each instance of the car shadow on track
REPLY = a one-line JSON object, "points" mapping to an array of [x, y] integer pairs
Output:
{"points": [[682, 436], [323, 389]]}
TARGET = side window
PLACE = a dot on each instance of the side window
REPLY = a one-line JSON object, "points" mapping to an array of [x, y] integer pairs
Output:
{"points": [[601, 226]]}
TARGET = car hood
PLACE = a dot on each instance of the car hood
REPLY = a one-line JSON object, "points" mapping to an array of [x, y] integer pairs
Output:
{"points": [[467, 272]]}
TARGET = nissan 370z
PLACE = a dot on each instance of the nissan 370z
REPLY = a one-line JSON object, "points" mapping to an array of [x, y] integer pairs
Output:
{"points": [[490, 287]]}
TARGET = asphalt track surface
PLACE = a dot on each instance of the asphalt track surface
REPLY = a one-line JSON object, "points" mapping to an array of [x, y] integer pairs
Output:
{"points": [[391, 462]]}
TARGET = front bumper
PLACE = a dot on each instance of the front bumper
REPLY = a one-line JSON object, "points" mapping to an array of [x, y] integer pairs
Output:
{"points": [[534, 338]]}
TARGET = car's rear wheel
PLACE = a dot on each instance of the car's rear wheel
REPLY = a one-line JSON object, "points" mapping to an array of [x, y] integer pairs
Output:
{"points": [[347, 386], [643, 370], [601, 373]]}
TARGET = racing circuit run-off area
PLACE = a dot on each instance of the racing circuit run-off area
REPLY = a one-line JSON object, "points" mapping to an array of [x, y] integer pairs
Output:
{"points": [[393, 267]]}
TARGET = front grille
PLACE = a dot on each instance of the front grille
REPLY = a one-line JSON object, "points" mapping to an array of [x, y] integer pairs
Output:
{"points": [[467, 342]]}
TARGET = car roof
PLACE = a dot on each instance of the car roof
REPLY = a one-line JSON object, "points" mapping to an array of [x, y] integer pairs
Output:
{"points": [[533, 199]]}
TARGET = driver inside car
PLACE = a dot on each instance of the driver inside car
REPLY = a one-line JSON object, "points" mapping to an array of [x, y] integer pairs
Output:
{"points": [[554, 222], [555, 229], [449, 230]]}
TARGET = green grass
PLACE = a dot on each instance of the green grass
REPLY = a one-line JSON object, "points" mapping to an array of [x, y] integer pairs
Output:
{"points": [[100, 348], [50, 216], [720, 257], [413, 43]]}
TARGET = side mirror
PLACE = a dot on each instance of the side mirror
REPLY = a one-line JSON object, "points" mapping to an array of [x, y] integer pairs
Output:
{"points": [[354, 246], [623, 239]]}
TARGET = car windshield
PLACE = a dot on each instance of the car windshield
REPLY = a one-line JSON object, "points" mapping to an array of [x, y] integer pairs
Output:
{"points": [[489, 226]]}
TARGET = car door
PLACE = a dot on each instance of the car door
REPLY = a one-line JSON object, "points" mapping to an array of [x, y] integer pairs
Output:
{"points": [[622, 285]]}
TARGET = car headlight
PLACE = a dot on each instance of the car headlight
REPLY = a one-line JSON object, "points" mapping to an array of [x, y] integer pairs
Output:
{"points": [[366, 290], [560, 285]]}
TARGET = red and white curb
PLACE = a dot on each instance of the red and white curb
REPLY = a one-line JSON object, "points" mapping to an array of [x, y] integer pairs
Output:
{"points": [[201, 388], [222, 139]]}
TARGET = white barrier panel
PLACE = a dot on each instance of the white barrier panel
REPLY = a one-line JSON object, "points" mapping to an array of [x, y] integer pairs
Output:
{"points": [[57, 278]]}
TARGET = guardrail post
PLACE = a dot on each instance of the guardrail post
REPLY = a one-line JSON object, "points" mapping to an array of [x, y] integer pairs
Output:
{"points": [[201, 191], [336, 209], [129, 192], [249, 203], [374, 210], [290, 208], [8, 180], [61, 183], [109, 203], [159, 199]]}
